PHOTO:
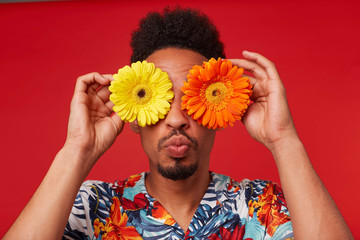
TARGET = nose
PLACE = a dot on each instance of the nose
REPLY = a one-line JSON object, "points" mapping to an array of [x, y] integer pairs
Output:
{"points": [[177, 118]]}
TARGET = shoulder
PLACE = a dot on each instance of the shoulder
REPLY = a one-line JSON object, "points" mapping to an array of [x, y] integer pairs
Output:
{"points": [[236, 195], [97, 189], [250, 188], [95, 194]]}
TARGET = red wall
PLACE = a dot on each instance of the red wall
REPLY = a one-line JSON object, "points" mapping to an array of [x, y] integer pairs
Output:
{"points": [[45, 46]]}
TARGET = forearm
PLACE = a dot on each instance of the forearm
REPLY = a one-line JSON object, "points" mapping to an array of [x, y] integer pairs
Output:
{"points": [[313, 212], [50, 206]]}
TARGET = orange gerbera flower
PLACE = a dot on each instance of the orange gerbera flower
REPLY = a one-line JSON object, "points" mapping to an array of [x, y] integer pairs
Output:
{"points": [[216, 93]]}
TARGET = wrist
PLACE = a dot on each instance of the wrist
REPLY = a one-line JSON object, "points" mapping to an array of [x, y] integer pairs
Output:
{"points": [[77, 159], [286, 144]]}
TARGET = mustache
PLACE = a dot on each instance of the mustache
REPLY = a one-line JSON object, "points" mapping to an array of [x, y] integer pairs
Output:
{"points": [[178, 133]]}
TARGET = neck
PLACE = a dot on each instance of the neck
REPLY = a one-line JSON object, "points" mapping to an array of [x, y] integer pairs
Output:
{"points": [[180, 198]]}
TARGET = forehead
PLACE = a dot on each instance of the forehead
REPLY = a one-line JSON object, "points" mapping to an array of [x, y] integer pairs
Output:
{"points": [[176, 62]]}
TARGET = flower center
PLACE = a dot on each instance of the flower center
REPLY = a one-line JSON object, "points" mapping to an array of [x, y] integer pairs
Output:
{"points": [[142, 94], [216, 92]]}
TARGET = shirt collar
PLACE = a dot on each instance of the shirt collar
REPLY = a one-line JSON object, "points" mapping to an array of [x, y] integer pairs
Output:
{"points": [[134, 190]]}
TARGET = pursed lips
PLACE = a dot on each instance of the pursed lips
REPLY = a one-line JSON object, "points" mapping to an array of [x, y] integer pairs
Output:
{"points": [[177, 146]]}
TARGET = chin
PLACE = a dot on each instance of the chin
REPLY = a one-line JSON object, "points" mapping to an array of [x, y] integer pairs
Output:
{"points": [[178, 171]]}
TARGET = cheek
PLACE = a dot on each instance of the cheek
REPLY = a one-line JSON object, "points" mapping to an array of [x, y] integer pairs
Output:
{"points": [[149, 140], [205, 138]]}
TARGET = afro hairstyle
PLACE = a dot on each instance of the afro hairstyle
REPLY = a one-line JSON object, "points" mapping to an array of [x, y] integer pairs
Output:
{"points": [[179, 27]]}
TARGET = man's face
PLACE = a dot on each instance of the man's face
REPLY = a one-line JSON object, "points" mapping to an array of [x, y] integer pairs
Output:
{"points": [[177, 146]]}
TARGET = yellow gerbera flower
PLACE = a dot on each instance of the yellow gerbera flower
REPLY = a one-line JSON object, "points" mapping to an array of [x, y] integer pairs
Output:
{"points": [[216, 93], [141, 92]]}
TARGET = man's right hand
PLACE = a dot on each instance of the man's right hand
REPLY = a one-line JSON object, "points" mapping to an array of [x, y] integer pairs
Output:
{"points": [[92, 127]]}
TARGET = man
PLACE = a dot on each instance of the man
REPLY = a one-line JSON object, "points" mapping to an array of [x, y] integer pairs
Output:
{"points": [[179, 198]]}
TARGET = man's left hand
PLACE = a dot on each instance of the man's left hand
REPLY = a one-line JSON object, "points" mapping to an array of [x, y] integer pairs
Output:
{"points": [[268, 119]]}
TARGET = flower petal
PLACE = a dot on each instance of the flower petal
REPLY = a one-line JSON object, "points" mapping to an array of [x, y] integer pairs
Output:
{"points": [[194, 108], [225, 116], [204, 75], [199, 112], [191, 93], [194, 100], [219, 119], [142, 118], [206, 117], [223, 69], [212, 119]]}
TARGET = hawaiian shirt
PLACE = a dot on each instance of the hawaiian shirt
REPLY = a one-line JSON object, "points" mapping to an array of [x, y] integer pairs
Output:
{"points": [[229, 210]]}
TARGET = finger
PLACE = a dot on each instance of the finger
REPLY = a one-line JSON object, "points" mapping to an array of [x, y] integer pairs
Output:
{"points": [[118, 123], [256, 89], [263, 62], [103, 93], [251, 67], [109, 77], [90, 81], [109, 104], [252, 79], [256, 93]]}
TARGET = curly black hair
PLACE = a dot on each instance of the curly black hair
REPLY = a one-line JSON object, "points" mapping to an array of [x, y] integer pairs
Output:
{"points": [[180, 27]]}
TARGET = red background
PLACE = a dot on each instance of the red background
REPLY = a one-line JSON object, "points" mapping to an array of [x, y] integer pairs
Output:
{"points": [[45, 46]]}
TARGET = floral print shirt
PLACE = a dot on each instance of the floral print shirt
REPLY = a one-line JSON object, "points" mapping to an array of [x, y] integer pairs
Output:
{"points": [[229, 210]]}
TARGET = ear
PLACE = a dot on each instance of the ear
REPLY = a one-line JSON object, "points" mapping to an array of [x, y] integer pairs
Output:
{"points": [[135, 126]]}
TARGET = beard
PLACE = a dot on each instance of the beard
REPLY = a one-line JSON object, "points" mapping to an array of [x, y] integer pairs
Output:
{"points": [[177, 172]]}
